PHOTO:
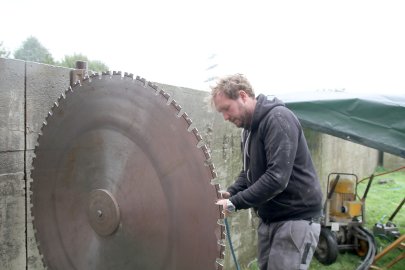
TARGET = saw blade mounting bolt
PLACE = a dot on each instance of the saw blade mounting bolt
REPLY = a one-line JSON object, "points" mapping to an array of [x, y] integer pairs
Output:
{"points": [[103, 212]]}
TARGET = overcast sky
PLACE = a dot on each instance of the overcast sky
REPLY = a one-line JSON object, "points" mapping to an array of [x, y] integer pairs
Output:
{"points": [[281, 46]]}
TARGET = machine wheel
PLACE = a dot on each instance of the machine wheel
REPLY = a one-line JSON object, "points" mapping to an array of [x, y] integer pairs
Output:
{"points": [[327, 250]]}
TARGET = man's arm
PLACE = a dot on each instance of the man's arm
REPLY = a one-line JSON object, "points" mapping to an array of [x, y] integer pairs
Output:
{"points": [[240, 184]]}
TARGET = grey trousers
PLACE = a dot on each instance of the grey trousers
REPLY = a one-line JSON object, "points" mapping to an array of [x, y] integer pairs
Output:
{"points": [[287, 245]]}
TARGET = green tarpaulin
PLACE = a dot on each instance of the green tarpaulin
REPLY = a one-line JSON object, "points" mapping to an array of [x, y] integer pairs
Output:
{"points": [[376, 121]]}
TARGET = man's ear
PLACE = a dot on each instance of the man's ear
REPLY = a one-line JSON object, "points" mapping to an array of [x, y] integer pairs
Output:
{"points": [[243, 95]]}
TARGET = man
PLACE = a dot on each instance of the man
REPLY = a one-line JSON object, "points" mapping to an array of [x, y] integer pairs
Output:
{"points": [[278, 178]]}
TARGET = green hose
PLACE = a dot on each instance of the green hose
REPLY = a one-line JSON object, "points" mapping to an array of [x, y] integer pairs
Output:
{"points": [[228, 236]]}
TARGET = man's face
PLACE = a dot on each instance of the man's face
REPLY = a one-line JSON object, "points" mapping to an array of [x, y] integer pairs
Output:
{"points": [[233, 110]]}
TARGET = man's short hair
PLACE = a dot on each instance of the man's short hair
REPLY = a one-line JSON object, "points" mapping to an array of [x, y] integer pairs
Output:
{"points": [[231, 85]]}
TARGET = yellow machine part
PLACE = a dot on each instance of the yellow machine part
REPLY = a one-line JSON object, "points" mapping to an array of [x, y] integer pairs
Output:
{"points": [[353, 208], [346, 186], [343, 202]]}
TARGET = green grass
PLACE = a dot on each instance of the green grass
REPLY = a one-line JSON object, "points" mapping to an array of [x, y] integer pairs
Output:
{"points": [[382, 200]]}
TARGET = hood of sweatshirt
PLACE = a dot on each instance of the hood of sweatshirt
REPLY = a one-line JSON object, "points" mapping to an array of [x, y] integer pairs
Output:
{"points": [[263, 106]]}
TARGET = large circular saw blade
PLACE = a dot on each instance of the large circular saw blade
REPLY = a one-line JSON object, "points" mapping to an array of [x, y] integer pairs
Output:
{"points": [[122, 181]]}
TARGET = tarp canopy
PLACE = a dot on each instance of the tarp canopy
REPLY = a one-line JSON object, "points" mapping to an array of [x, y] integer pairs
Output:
{"points": [[376, 121]]}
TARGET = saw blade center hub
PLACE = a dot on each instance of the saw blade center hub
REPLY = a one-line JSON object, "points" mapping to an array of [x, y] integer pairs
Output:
{"points": [[103, 212]]}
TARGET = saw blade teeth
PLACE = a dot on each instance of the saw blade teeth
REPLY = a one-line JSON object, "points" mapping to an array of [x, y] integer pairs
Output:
{"points": [[142, 80], [41, 256], [218, 188], [220, 262], [106, 73], [191, 126], [178, 107], [181, 112], [206, 151], [153, 85], [187, 118], [219, 191], [117, 73], [215, 181], [36, 147], [175, 105], [221, 222], [169, 99], [165, 94], [222, 242], [32, 165], [129, 75], [212, 167], [31, 174], [200, 142], [208, 162], [154, 88], [218, 267], [60, 99], [45, 123], [49, 114], [38, 242], [76, 83], [31, 210]]}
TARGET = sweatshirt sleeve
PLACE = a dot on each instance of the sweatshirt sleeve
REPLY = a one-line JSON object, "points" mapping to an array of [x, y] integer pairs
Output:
{"points": [[280, 133], [239, 184]]}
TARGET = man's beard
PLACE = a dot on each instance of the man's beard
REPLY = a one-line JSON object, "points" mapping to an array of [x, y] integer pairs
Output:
{"points": [[245, 118]]}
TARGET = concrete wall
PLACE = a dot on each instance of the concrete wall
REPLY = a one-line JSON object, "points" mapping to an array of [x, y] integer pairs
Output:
{"points": [[331, 154], [392, 162], [12, 166], [44, 84], [27, 92]]}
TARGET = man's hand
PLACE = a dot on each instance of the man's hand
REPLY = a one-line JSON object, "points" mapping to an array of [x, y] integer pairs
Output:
{"points": [[224, 203], [224, 194]]}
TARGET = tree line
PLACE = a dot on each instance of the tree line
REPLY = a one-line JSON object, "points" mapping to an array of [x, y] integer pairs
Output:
{"points": [[32, 50]]}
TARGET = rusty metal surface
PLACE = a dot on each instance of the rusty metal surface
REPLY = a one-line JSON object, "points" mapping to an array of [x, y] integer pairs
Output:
{"points": [[119, 182]]}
